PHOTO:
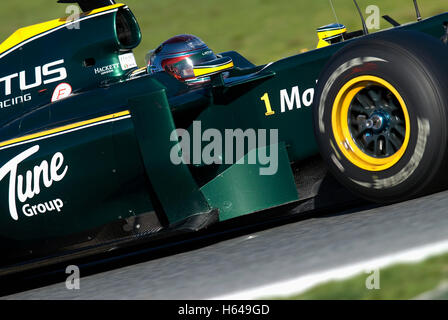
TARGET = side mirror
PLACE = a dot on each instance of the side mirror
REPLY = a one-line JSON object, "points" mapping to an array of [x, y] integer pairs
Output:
{"points": [[330, 34]]}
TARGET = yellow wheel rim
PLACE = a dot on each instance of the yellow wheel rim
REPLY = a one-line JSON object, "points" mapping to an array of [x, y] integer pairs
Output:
{"points": [[342, 130]]}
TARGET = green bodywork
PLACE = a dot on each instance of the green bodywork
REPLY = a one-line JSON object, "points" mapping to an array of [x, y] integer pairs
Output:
{"points": [[122, 169]]}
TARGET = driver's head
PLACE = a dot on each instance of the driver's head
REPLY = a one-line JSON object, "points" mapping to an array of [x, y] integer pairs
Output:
{"points": [[178, 55]]}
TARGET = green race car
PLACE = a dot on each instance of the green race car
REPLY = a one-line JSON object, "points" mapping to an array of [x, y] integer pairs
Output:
{"points": [[97, 153]]}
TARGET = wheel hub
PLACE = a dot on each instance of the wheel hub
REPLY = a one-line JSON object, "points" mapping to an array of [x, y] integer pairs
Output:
{"points": [[370, 117], [375, 122], [378, 122]]}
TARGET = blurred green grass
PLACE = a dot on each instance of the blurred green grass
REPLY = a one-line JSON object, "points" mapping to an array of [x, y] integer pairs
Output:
{"points": [[399, 282], [262, 30]]}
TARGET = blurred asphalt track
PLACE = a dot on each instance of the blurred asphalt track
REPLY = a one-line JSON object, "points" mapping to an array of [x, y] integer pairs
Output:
{"points": [[318, 243]]}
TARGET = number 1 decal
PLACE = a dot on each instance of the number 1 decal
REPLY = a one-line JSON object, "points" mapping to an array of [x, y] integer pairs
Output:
{"points": [[269, 111]]}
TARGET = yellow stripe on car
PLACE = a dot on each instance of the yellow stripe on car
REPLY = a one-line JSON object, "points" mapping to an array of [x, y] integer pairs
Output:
{"points": [[64, 128], [210, 70]]}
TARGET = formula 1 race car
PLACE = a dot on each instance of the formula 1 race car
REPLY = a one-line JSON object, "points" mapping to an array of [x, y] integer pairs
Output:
{"points": [[96, 153]]}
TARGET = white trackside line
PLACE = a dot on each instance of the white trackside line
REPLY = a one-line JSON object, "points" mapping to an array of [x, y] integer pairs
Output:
{"points": [[303, 283]]}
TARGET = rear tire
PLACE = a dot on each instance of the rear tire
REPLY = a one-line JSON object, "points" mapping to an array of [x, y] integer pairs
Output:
{"points": [[380, 115]]}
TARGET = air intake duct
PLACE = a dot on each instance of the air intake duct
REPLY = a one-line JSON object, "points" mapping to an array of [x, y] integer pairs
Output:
{"points": [[88, 5]]}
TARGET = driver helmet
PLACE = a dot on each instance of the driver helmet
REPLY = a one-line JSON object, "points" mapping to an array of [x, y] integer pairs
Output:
{"points": [[178, 55]]}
